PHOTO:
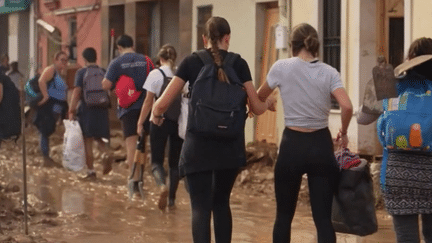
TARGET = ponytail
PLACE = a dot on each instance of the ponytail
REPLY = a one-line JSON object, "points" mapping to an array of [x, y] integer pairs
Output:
{"points": [[215, 29], [168, 53], [304, 36]]}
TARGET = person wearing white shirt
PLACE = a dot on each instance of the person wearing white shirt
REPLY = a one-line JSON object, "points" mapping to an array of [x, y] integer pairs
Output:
{"points": [[159, 135]]}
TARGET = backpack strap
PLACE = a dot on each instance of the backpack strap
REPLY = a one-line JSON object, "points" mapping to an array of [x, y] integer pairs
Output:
{"points": [[149, 65], [163, 73], [205, 57], [164, 85], [230, 58]]}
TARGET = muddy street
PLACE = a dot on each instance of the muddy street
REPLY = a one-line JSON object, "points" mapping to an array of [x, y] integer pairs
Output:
{"points": [[63, 208]]}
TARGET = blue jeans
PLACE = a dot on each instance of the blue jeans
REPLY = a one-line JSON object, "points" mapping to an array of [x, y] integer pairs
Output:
{"points": [[44, 139], [407, 228]]}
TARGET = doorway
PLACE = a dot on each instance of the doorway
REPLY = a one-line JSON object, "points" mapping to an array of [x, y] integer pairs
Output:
{"points": [[117, 23], [396, 41], [266, 123]]}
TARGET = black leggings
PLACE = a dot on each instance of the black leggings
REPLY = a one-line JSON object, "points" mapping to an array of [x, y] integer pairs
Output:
{"points": [[158, 139], [310, 153], [210, 192]]}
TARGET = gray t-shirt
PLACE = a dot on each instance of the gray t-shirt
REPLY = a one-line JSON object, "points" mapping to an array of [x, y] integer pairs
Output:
{"points": [[305, 88]]}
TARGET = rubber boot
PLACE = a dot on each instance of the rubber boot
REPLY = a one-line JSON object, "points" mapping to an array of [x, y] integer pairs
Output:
{"points": [[141, 181], [131, 182], [174, 179], [159, 175]]}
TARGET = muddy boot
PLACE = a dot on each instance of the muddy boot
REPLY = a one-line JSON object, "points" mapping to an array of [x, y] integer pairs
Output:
{"points": [[133, 187], [159, 176], [141, 181], [171, 204], [131, 183], [163, 197], [50, 163], [107, 161], [174, 182]]}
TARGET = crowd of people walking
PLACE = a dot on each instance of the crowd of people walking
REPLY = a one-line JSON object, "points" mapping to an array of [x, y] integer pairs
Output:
{"points": [[177, 107]]}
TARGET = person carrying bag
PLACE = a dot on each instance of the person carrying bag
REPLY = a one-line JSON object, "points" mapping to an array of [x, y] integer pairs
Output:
{"points": [[353, 209]]}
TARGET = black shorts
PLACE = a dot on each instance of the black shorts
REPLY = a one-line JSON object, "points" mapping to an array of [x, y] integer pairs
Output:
{"points": [[129, 123]]}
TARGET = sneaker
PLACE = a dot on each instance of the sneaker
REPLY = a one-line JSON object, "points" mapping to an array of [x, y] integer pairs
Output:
{"points": [[91, 176], [107, 164], [163, 197]]}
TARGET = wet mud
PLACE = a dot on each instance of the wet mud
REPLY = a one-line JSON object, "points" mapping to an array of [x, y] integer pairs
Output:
{"points": [[64, 208]]}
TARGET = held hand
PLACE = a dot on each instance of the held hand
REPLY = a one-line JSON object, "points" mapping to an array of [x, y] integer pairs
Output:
{"points": [[271, 101], [43, 101], [157, 120], [250, 114], [342, 139], [71, 115]]}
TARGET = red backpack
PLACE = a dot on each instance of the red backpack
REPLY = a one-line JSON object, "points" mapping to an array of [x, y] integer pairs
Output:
{"points": [[126, 89]]}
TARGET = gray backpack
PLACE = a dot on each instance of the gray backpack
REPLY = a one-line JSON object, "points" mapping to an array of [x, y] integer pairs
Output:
{"points": [[94, 95]]}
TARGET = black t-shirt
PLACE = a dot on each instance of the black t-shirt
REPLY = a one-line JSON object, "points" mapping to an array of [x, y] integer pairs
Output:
{"points": [[191, 66]]}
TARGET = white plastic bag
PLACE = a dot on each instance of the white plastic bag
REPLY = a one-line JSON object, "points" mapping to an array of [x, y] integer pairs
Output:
{"points": [[73, 146], [183, 118]]}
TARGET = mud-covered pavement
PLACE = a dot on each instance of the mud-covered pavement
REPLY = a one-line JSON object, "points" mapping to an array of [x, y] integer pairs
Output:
{"points": [[63, 208]]}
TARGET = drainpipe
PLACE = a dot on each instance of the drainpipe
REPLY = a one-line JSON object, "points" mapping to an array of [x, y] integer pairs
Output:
{"points": [[32, 39], [408, 20], [285, 16]]}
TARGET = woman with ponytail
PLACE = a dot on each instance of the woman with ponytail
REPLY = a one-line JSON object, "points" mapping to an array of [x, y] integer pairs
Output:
{"points": [[159, 135], [209, 164], [306, 85]]}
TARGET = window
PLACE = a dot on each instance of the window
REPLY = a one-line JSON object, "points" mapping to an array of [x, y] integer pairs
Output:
{"points": [[73, 39], [204, 13], [331, 36]]}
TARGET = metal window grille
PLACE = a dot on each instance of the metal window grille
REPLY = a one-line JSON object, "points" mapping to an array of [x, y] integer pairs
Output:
{"points": [[204, 13], [331, 37]]}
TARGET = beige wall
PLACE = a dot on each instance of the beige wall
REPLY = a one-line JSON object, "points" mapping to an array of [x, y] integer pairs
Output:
{"points": [[305, 11], [421, 19]]}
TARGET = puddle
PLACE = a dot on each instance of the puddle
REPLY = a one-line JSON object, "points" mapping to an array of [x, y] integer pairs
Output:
{"points": [[100, 211]]}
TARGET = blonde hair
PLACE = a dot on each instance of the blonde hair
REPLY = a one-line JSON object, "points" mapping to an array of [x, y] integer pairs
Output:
{"points": [[168, 53]]}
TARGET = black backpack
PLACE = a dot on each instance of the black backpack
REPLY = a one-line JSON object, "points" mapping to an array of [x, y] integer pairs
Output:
{"points": [[173, 111], [32, 91], [217, 109], [10, 110]]}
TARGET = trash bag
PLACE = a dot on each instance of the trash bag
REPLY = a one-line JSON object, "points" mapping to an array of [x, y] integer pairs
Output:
{"points": [[73, 146], [354, 203]]}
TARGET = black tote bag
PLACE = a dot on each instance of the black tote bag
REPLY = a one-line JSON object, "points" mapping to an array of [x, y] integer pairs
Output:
{"points": [[354, 203]]}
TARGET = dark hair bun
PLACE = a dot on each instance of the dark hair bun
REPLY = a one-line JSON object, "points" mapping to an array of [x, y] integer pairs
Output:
{"points": [[311, 44]]}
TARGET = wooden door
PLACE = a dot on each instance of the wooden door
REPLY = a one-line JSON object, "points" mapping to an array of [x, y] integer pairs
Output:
{"points": [[143, 27], [266, 123]]}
